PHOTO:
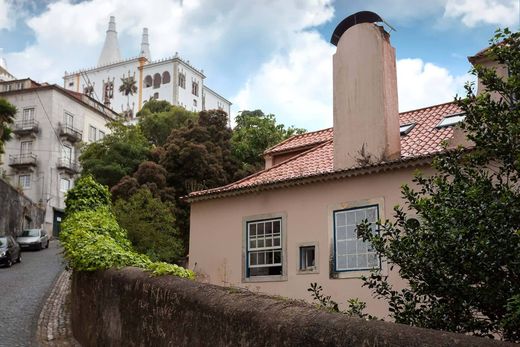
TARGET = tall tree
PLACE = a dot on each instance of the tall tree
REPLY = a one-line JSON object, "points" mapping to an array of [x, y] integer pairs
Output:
{"points": [[253, 134], [157, 119], [118, 154], [458, 243], [7, 114]]}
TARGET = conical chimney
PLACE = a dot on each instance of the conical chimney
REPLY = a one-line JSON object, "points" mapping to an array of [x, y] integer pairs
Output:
{"points": [[366, 115], [110, 52], [145, 46]]}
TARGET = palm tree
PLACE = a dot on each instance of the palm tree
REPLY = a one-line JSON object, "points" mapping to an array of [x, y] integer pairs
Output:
{"points": [[128, 87], [7, 113]]}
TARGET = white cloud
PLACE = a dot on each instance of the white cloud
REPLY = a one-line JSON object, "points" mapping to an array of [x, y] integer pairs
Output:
{"points": [[423, 84], [6, 13], [297, 86], [496, 12]]}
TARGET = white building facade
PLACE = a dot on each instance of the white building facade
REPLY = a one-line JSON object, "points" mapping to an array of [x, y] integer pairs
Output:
{"points": [[51, 123], [172, 79]]}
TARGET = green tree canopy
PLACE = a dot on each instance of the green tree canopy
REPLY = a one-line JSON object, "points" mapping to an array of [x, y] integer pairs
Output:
{"points": [[158, 118], [117, 155], [253, 134], [7, 114], [151, 227], [458, 243]]}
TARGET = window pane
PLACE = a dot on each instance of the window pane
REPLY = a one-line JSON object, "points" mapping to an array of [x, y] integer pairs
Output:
{"points": [[351, 247], [351, 232], [277, 257], [341, 219], [361, 246], [252, 229], [276, 226], [360, 216], [260, 229], [260, 243], [341, 233], [351, 262], [276, 242], [268, 228], [269, 242], [269, 257], [351, 218], [362, 261], [341, 247], [261, 258], [252, 257], [341, 262], [371, 214], [252, 244], [372, 260]]}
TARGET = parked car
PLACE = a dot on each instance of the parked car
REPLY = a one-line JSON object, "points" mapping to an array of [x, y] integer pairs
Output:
{"points": [[9, 251], [33, 239]]}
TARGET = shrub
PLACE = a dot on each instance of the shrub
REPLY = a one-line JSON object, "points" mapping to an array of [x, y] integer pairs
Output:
{"points": [[87, 194]]}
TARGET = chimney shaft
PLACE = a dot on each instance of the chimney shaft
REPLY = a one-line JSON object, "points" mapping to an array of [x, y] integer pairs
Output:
{"points": [[110, 52], [145, 46], [366, 116]]}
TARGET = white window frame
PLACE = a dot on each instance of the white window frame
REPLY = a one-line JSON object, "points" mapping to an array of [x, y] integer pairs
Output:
{"points": [[68, 119], [263, 248], [309, 270], [67, 154], [24, 181], [92, 133], [62, 180], [348, 248], [26, 148]]}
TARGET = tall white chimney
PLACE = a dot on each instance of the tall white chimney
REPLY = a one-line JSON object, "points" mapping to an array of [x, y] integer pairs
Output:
{"points": [[366, 115], [145, 46], [110, 52]]}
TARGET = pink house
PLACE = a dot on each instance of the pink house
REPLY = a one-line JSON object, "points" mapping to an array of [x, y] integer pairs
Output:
{"points": [[294, 222]]}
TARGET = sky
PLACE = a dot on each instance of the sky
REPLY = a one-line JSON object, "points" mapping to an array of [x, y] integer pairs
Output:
{"points": [[272, 55]]}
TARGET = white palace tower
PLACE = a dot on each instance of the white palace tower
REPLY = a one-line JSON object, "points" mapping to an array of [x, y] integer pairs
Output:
{"points": [[172, 79]]}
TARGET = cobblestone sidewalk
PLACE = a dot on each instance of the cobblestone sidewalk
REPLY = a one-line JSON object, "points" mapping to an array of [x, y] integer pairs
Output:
{"points": [[54, 328]]}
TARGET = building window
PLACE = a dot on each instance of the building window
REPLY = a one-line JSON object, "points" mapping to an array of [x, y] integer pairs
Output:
{"points": [[148, 81], [451, 120], [64, 185], [195, 102], [68, 120], [71, 84], [66, 153], [156, 81], [264, 248], [307, 258], [92, 132], [28, 115], [195, 88], [182, 80], [166, 77], [352, 253], [25, 148], [24, 181], [156, 96], [101, 135]]}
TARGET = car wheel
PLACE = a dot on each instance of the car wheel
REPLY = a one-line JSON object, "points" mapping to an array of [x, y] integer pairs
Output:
{"points": [[9, 262], [19, 259]]}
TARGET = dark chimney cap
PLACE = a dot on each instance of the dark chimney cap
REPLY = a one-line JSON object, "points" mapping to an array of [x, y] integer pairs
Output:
{"points": [[350, 21]]}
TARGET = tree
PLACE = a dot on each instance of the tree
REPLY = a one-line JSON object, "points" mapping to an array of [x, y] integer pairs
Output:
{"points": [[196, 157], [7, 114], [158, 118], [150, 224], [458, 243], [117, 155], [128, 87], [253, 134]]}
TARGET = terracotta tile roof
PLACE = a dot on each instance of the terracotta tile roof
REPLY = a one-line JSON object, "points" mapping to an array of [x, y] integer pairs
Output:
{"points": [[309, 139], [422, 141]]}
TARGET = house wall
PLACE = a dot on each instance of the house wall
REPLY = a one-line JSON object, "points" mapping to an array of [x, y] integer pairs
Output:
{"points": [[50, 107], [217, 234]]}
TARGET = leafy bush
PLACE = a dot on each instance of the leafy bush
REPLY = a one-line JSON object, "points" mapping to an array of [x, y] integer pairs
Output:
{"points": [[93, 240], [87, 194]]}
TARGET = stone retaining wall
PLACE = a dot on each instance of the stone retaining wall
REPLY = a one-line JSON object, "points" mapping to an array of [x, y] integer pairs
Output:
{"points": [[14, 208], [129, 308]]}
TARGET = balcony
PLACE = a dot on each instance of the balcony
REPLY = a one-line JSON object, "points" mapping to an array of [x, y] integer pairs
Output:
{"points": [[70, 133], [23, 161], [25, 127], [67, 165]]}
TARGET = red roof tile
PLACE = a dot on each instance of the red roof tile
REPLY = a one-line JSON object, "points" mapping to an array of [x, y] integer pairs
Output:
{"points": [[423, 140]]}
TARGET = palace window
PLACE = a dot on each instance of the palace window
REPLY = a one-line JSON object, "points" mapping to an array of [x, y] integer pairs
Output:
{"points": [[195, 88], [182, 80], [165, 77], [148, 81], [156, 81], [351, 253], [24, 181]]}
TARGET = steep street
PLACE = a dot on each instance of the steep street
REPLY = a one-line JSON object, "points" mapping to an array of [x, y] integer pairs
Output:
{"points": [[23, 289]]}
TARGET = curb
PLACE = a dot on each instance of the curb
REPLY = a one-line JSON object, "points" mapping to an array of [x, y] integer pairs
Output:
{"points": [[54, 327]]}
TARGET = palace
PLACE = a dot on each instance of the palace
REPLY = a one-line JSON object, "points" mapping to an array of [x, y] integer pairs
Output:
{"points": [[172, 79]]}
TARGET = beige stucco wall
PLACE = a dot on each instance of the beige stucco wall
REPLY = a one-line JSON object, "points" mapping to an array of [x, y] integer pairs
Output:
{"points": [[217, 233]]}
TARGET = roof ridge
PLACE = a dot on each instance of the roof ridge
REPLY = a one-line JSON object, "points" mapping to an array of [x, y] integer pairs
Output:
{"points": [[270, 149], [427, 107], [266, 170]]}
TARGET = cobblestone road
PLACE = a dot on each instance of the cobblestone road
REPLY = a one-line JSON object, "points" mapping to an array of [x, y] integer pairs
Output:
{"points": [[23, 289]]}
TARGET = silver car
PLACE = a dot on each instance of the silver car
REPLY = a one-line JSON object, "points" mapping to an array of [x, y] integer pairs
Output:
{"points": [[33, 239]]}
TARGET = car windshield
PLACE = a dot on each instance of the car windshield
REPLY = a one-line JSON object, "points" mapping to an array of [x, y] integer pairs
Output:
{"points": [[31, 232], [3, 240]]}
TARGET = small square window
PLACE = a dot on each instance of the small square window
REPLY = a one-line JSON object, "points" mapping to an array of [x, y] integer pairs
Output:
{"points": [[24, 181], [307, 258]]}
